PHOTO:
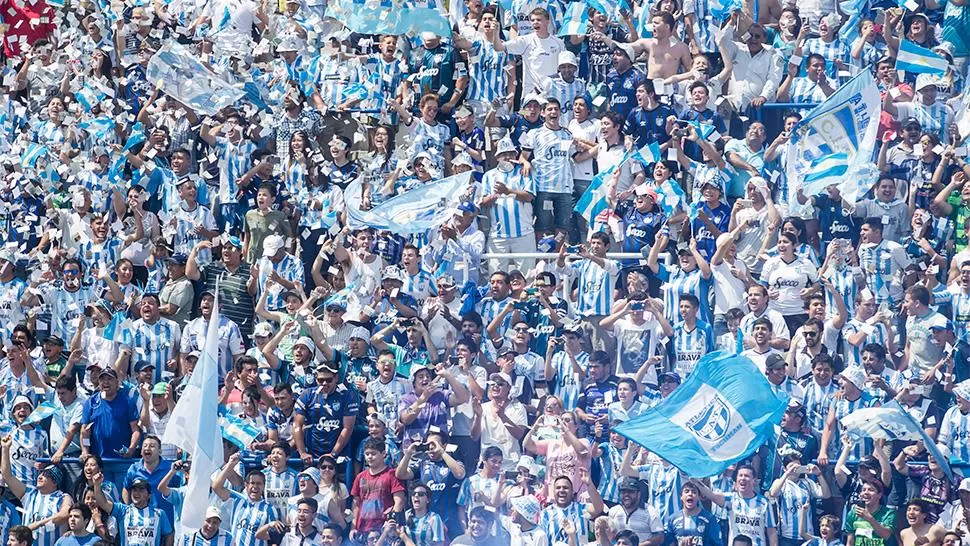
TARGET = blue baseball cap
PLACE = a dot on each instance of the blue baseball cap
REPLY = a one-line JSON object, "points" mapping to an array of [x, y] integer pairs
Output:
{"points": [[948, 325]]}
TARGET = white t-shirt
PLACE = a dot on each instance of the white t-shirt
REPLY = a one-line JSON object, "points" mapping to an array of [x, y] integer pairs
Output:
{"points": [[789, 279], [645, 522], [540, 58], [588, 131], [728, 289]]}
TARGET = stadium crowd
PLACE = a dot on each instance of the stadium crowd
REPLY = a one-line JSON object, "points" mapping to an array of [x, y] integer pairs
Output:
{"points": [[461, 384]]}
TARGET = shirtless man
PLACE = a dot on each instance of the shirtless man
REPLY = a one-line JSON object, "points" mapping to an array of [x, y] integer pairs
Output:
{"points": [[667, 55], [920, 533]]}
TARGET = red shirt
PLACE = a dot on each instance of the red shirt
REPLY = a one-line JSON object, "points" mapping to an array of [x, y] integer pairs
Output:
{"points": [[374, 494], [32, 20]]}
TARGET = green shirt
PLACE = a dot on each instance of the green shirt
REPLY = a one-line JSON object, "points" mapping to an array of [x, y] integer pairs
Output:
{"points": [[865, 535], [960, 214]]}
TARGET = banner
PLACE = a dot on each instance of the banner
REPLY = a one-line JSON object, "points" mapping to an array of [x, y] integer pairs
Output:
{"points": [[415, 211], [723, 412], [846, 123], [376, 17], [178, 72], [892, 422]]}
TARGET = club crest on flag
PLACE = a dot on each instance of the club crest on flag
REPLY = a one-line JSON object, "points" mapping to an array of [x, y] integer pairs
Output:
{"points": [[711, 423]]}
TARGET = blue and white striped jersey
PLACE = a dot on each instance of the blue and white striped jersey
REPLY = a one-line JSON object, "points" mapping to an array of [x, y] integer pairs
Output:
{"points": [[552, 158], [551, 518], [248, 516], [610, 459], [568, 384], [595, 291], [234, 161], [487, 78], [289, 268], [845, 284], [751, 517], [955, 434], [280, 486], [794, 495], [691, 345], [67, 307], [426, 530], [157, 343], [817, 401], [676, 282], [28, 446], [38, 506], [429, 138], [420, 286], [222, 538], [933, 118], [852, 354], [186, 236], [9, 516], [959, 307], [99, 255], [140, 526], [833, 51], [882, 266], [510, 216], [663, 483], [565, 92]]}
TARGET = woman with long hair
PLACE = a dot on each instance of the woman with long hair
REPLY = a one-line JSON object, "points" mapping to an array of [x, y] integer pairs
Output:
{"points": [[789, 277]]}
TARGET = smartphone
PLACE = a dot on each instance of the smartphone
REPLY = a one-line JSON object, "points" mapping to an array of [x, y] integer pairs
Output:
{"points": [[574, 249], [745, 203], [638, 306], [521, 305], [453, 360], [532, 292]]}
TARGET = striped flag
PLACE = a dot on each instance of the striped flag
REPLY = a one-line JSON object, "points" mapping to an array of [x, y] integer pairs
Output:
{"points": [[33, 152], [575, 20], [824, 172], [237, 431], [670, 196], [648, 154], [919, 60], [43, 411], [117, 329], [593, 201]]}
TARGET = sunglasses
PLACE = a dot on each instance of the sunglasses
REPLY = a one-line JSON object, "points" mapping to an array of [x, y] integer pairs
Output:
{"points": [[813, 334], [328, 467], [326, 380]]}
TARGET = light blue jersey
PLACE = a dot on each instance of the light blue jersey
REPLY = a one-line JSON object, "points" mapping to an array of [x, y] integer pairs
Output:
{"points": [[955, 434], [38, 506], [157, 343], [568, 383], [552, 158], [140, 526], [248, 516], [691, 345], [595, 290], [511, 217], [751, 517]]}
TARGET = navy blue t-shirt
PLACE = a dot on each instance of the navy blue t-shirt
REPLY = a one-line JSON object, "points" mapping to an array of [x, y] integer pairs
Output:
{"points": [[836, 222]]}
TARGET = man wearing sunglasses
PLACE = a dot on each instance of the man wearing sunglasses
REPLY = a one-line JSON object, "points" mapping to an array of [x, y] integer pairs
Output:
{"points": [[67, 297], [325, 416]]}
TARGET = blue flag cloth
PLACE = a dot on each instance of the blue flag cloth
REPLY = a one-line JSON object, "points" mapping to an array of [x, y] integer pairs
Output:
{"points": [[575, 20], [179, 73], [237, 431], [723, 412], [892, 422], [914, 59], [118, 328], [43, 411], [415, 211], [381, 18]]}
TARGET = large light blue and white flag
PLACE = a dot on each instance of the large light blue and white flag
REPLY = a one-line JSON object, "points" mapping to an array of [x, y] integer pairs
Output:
{"points": [[179, 73], [415, 211], [914, 59], [575, 20], [846, 123], [382, 17], [892, 422], [194, 425], [723, 412], [824, 172]]}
